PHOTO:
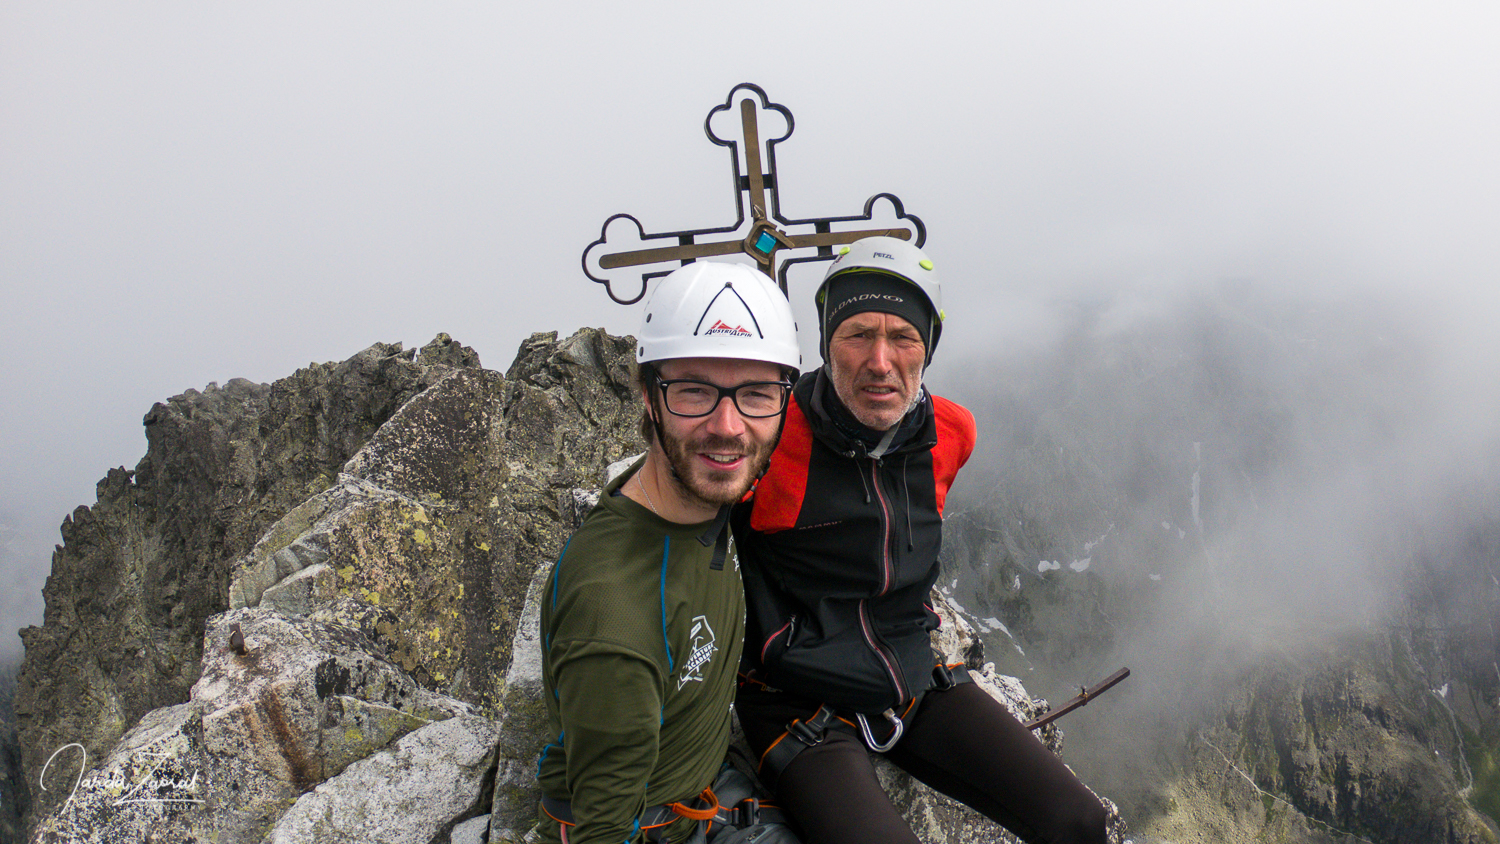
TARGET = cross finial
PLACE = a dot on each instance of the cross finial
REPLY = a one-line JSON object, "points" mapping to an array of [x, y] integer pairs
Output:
{"points": [[771, 240]]}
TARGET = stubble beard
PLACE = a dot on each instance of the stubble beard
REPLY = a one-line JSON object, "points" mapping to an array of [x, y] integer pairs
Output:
{"points": [[847, 389], [692, 481]]}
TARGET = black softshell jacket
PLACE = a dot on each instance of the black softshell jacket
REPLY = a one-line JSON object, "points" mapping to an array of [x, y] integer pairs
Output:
{"points": [[840, 553]]}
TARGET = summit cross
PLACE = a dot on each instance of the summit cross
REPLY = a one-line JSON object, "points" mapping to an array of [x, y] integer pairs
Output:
{"points": [[769, 234]]}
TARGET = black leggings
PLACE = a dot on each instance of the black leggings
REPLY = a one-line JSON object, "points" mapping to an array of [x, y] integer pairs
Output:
{"points": [[960, 742]]}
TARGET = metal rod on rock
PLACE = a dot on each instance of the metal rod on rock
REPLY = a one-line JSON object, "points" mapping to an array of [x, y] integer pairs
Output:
{"points": [[1082, 699]]}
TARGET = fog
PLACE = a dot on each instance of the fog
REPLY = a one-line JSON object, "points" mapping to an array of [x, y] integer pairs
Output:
{"points": [[1194, 480], [194, 193]]}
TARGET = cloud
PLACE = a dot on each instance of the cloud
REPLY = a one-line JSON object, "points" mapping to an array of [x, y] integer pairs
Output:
{"points": [[196, 193]]}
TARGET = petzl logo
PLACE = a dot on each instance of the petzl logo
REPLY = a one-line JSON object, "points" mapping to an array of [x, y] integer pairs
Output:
{"points": [[721, 327], [885, 255]]}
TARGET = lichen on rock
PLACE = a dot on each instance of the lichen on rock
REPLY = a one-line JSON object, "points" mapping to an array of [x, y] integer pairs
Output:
{"points": [[141, 570], [287, 704], [365, 645]]}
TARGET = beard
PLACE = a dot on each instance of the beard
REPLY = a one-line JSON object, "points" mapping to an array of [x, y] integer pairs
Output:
{"points": [[696, 481], [847, 387]]}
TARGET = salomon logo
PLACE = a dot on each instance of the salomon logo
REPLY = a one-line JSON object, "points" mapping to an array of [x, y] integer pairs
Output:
{"points": [[720, 327], [885, 256], [862, 298]]}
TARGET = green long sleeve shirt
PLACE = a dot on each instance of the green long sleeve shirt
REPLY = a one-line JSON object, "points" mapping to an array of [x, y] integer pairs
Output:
{"points": [[641, 638]]}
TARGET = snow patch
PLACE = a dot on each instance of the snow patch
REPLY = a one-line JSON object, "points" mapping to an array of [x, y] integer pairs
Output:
{"points": [[1006, 630], [1081, 565], [1090, 546], [1043, 567]]}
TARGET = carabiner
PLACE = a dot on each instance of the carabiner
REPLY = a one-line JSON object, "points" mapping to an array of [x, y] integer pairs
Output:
{"points": [[896, 728]]}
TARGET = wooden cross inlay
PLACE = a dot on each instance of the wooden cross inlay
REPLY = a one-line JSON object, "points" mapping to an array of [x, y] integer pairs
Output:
{"points": [[774, 242]]}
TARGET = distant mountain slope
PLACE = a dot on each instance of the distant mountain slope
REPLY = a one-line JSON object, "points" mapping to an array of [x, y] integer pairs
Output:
{"points": [[1280, 517]]}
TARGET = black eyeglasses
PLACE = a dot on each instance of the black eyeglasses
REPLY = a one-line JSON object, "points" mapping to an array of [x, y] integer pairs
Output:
{"points": [[755, 399]]}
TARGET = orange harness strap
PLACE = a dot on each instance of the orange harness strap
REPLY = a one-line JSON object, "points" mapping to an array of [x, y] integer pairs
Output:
{"points": [[706, 814], [653, 818]]}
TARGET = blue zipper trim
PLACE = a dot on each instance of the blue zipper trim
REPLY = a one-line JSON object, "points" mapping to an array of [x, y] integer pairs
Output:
{"points": [[548, 749], [666, 551], [556, 564]]}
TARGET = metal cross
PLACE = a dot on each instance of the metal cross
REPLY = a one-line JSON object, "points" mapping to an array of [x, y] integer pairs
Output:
{"points": [[768, 236]]}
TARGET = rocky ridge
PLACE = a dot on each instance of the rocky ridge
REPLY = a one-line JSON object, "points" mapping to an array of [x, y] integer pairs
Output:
{"points": [[140, 572], [14, 796], [310, 612]]}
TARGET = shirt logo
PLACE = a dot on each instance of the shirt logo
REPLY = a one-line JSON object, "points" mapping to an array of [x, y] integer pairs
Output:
{"points": [[704, 646]]}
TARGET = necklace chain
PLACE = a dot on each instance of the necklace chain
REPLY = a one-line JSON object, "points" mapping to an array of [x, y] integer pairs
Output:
{"points": [[642, 484]]}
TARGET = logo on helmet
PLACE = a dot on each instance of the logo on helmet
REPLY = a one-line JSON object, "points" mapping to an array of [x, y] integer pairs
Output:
{"points": [[721, 327], [885, 255], [864, 297]]}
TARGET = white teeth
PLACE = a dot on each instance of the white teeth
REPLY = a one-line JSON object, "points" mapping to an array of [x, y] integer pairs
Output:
{"points": [[722, 458]]}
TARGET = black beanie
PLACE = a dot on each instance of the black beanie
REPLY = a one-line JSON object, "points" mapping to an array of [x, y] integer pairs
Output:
{"points": [[858, 292]]}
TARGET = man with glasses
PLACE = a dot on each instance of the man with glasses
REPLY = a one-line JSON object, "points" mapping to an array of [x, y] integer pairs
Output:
{"points": [[643, 619]]}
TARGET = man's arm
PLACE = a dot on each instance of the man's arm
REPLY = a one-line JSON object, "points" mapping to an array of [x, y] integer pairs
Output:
{"points": [[610, 706]]}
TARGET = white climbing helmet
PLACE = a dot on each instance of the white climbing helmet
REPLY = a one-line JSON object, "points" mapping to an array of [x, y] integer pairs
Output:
{"points": [[711, 309], [891, 256]]}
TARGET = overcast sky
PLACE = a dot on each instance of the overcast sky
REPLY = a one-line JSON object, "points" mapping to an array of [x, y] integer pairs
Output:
{"points": [[192, 192]]}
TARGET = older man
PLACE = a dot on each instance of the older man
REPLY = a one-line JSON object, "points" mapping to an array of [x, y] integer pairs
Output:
{"points": [[840, 544], [643, 619]]}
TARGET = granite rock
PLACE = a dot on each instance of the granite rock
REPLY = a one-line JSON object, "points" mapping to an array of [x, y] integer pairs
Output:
{"points": [[141, 570], [407, 794]]}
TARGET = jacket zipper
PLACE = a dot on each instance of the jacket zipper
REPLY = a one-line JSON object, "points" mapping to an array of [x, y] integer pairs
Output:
{"points": [[785, 628], [885, 659], [887, 575]]}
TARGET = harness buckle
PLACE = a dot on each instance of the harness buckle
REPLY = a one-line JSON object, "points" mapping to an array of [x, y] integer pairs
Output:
{"points": [[800, 731], [942, 678], [812, 731], [945, 677], [747, 812]]}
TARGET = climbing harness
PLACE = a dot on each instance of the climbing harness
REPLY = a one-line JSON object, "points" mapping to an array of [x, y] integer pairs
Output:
{"points": [[811, 732], [740, 809], [653, 821]]}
